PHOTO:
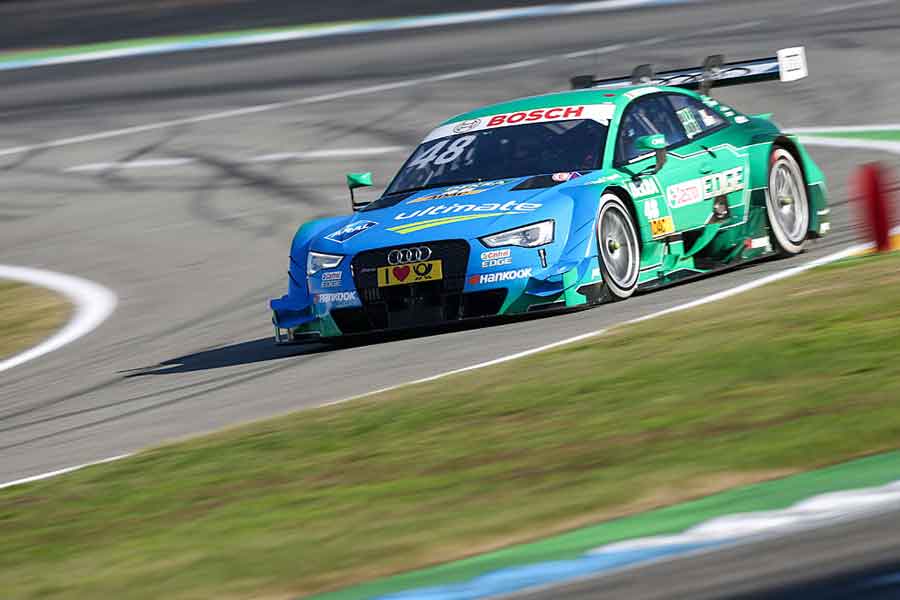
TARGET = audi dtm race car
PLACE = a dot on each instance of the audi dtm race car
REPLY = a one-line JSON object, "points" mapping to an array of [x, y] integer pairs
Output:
{"points": [[559, 201]]}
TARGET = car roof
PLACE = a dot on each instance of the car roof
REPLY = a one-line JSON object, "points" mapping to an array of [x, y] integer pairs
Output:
{"points": [[621, 95]]}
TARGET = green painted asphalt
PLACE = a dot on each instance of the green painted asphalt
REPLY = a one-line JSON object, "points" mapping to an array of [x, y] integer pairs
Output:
{"points": [[771, 495], [880, 135]]}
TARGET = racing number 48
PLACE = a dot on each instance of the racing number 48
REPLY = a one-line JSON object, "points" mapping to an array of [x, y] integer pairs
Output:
{"points": [[434, 155]]}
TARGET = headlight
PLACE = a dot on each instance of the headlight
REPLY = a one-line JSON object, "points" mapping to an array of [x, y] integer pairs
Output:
{"points": [[316, 261], [530, 236]]}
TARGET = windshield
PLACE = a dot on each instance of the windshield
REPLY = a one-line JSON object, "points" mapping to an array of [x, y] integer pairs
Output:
{"points": [[503, 153]]}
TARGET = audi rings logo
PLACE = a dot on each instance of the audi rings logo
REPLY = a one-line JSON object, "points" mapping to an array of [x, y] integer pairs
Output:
{"points": [[408, 255], [467, 126]]}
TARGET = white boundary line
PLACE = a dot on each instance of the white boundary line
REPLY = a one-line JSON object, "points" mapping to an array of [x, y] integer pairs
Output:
{"points": [[876, 145], [61, 471], [824, 260], [329, 97], [93, 304], [847, 128], [852, 6]]}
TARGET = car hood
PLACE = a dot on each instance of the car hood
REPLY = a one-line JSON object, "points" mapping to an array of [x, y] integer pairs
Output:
{"points": [[456, 212]]}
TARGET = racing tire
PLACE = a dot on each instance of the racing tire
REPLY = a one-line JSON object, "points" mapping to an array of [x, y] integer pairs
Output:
{"points": [[787, 204], [618, 250]]}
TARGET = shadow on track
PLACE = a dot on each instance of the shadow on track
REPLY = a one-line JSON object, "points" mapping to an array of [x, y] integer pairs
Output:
{"points": [[242, 353], [265, 349]]}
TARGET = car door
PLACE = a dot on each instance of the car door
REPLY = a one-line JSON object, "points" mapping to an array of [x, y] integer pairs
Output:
{"points": [[713, 172], [694, 175], [651, 115]]}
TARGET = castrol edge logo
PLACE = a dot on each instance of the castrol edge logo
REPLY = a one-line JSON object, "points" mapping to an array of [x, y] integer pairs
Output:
{"points": [[596, 112]]}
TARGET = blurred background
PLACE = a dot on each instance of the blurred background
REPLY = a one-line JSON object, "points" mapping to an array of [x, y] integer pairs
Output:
{"points": [[168, 150]]}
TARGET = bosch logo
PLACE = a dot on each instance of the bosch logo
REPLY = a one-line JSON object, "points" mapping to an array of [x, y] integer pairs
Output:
{"points": [[467, 126], [408, 255]]}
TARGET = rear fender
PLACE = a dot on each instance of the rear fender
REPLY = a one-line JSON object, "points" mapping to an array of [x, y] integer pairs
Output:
{"points": [[816, 188]]}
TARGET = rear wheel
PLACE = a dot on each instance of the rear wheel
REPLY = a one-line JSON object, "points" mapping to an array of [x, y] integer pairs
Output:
{"points": [[787, 204], [619, 249]]}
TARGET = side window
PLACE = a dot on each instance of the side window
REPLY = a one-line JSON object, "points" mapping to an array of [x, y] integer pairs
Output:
{"points": [[696, 118], [647, 116]]}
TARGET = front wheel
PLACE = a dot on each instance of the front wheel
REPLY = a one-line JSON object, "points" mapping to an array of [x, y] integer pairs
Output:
{"points": [[787, 205], [619, 249]]}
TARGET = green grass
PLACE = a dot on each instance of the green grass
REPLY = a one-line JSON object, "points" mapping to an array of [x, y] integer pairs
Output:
{"points": [[27, 315], [786, 378]]}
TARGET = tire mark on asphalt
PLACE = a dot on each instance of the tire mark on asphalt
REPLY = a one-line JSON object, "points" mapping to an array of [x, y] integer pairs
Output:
{"points": [[416, 98], [146, 396], [220, 312], [113, 178], [203, 205], [237, 380]]}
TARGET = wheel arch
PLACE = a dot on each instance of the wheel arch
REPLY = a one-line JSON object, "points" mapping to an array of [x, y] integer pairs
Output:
{"points": [[626, 198], [786, 143], [813, 178], [782, 238]]}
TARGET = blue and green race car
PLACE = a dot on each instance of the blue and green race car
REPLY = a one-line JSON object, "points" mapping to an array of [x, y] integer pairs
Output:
{"points": [[562, 200]]}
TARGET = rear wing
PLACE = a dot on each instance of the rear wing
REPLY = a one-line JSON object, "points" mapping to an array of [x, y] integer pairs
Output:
{"points": [[788, 65]]}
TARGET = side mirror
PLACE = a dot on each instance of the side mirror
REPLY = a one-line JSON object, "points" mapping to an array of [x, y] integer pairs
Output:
{"points": [[358, 180], [654, 143]]}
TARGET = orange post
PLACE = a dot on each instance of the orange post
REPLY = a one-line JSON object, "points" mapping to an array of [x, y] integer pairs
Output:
{"points": [[874, 191]]}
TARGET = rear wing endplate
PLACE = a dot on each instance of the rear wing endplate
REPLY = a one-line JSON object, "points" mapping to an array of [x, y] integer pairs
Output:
{"points": [[788, 65]]}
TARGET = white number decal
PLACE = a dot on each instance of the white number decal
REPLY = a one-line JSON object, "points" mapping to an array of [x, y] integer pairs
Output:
{"points": [[425, 158], [651, 209], [454, 150], [434, 154]]}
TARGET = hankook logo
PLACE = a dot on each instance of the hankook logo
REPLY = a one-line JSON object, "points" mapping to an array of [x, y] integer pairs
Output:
{"points": [[408, 255]]}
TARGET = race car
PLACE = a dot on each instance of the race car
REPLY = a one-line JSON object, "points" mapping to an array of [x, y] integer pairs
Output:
{"points": [[562, 200]]}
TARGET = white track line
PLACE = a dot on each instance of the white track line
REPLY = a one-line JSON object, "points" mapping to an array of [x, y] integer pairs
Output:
{"points": [[93, 304], [830, 258], [852, 6], [50, 474], [260, 108], [882, 145], [846, 128], [133, 164], [739, 26]]}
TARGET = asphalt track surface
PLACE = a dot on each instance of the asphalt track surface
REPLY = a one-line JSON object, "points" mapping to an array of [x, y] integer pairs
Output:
{"points": [[194, 251]]}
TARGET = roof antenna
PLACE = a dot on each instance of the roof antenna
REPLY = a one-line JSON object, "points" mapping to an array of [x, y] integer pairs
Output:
{"points": [[642, 75], [712, 66]]}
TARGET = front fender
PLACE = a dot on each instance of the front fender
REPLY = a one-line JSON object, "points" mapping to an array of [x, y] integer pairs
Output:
{"points": [[581, 241], [309, 231], [295, 307]]}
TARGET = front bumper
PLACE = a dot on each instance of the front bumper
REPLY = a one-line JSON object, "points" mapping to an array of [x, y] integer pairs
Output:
{"points": [[472, 287]]}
